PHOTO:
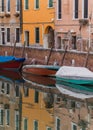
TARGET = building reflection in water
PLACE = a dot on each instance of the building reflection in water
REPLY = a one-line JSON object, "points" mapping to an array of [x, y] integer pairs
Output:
{"points": [[24, 106]]}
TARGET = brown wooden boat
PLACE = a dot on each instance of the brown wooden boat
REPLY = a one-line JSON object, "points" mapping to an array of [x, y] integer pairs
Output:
{"points": [[43, 70]]}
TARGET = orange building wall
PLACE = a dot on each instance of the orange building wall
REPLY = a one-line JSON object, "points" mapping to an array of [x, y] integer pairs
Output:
{"points": [[41, 18]]}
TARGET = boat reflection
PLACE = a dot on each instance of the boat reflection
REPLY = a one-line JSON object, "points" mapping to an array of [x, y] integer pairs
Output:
{"points": [[31, 106], [10, 75], [10, 99], [75, 90], [42, 81]]}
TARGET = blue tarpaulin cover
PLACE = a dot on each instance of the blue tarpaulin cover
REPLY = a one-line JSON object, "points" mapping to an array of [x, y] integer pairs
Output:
{"points": [[10, 58]]}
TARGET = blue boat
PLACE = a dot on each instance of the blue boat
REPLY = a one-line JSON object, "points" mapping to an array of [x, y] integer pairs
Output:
{"points": [[11, 62]]}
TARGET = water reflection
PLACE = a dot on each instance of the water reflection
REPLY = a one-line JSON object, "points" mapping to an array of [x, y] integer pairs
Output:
{"points": [[26, 104]]}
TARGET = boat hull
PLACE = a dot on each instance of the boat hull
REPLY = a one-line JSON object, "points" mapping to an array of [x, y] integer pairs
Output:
{"points": [[75, 81], [11, 62], [41, 70], [11, 65], [75, 75]]}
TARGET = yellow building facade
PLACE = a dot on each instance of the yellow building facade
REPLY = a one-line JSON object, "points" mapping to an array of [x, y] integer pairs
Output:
{"points": [[38, 22]]}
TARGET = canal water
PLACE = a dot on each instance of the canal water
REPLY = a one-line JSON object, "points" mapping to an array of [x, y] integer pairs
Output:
{"points": [[29, 102]]}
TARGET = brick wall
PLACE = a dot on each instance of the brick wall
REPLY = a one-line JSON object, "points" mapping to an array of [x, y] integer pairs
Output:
{"points": [[40, 54]]}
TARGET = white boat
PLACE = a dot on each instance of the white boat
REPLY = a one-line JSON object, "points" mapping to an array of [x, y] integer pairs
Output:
{"points": [[76, 75]]}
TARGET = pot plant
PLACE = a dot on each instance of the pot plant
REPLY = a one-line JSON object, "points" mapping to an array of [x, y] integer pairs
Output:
{"points": [[7, 14], [83, 22], [17, 14], [83, 124]]}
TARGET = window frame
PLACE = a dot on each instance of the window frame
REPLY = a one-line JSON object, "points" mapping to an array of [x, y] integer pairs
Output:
{"points": [[35, 127], [17, 5], [25, 124], [36, 96], [17, 35], [2, 10], [7, 113], [36, 4], [37, 35], [58, 127], [73, 124], [8, 6], [16, 119], [84, 11], [8, 34], [59, 9], [1, 116], [75, 9], [26, 5], [50, 6]]}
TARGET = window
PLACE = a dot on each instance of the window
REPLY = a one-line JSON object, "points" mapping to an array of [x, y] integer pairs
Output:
{"points": [[75, 9], [17, 5], [17, 91], [59, 9], [49, 128], [83, 129], [17, 35], [16, 120], [57, 124], [3, 36], [8, 88], [25, 124], [26, 4], [2, 5], [3, 85], [35, 125], [27, 37], [74, 42], [36, 96], [37, 35], [85, 8], [74, 126], [26, 92], [8, 34], [50, 3], [8, 6], [36, 4], [1, 116], [7, 116]]}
